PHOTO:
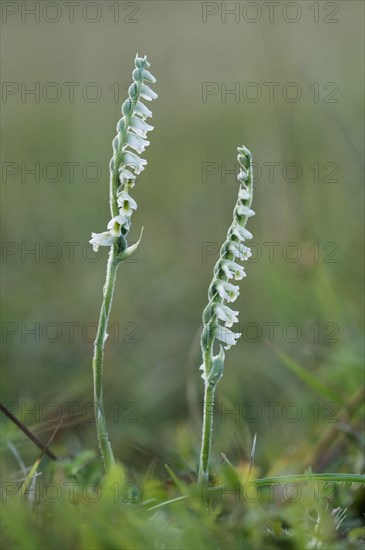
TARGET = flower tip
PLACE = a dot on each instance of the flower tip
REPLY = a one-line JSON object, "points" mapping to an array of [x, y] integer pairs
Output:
{"points": [[244, 151], [141, 62]]}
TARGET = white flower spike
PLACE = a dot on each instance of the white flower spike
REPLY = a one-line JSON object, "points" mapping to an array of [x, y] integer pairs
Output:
{"points": [[218, 317], [126, 163]]}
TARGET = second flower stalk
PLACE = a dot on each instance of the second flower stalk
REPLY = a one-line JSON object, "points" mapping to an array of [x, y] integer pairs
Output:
{"points": [[218, 317]]}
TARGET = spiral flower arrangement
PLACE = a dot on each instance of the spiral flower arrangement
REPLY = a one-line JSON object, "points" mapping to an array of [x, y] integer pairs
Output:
{"points": [[218, 317], [125, 165]]}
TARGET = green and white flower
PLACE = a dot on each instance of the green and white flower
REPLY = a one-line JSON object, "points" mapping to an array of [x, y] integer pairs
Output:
{"points": [[241, 251], [244, 211], [241, 233], [136, 142], [218, 317], [126, 204], [102, 239], [140, 127], [227, 336], [126, 163], [231, 270], [142, 110], [134, 161], [226, 314], [115, 225], [226, 290], [126, 177]]}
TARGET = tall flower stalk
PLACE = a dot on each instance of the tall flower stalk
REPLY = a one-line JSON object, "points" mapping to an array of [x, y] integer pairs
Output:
{"points": [[125, 165], [218, 317]]}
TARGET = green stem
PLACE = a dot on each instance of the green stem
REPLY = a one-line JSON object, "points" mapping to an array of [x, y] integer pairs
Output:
{"points": [[98, 359], [208, 409]]}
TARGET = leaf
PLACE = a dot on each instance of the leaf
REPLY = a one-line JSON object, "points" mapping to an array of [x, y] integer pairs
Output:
{"points": [[216, 371], [309, 379], [123, 256]]}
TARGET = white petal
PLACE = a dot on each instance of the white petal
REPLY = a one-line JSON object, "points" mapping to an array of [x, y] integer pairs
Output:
{"points": [[148, 76], [227, 271], [244, 194], [140, 126], [242, 175], [226, 314], [102, 239], [241, 232], [124, 196], [115, 227], [134, 161], [142, 110], [227, 291], [126, 203], [227, 336], [239, 250], [126, 176], [136, 142], [245, 211], [147, 93], [239, 272], [232, 269]]}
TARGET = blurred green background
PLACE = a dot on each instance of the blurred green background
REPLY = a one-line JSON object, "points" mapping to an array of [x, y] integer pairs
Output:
{"points": [[159, 297]]}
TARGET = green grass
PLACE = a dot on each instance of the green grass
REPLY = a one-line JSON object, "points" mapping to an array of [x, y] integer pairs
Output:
{"points": [[72, 503], [150, 512]]}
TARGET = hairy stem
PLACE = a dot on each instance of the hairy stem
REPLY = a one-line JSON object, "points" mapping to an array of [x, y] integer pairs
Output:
{"points": [[98, 359], [207, 432]]}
